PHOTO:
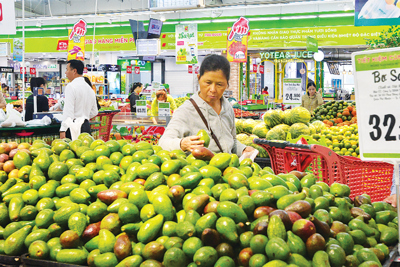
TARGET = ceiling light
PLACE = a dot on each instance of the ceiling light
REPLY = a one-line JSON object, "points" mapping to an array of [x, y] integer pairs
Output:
{"points": [[336, 15], [299, 17], [344, 72], [268, 18], [162, 18]]}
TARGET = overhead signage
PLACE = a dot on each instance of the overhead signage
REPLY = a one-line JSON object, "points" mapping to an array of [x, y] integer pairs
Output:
{"points": [[141, 108], [17, 49], [312, 44], [286, 55], [62, 45], [377, 90], [261, 69], [6, 70], [237, 40], [148, 47], [137, 70], [186, 44], [32, 71], [76, 43], [129, 69], [4, 49], [376, 12], [190, 69], [7, 17], [163, 109], [255, 67], [292, 91], [22, 70]]}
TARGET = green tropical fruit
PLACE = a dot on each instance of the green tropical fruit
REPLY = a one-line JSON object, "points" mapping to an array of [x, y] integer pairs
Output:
{"points": [[106, 241], [66, 155], [132, 261], [205, 256], [204, 137], [39, 250], [221, 160], [72, 256], [227, 228], [277, 249], [233, 211], [14, 244], [43, 161], [174, 257], [21, 159], [149, 230]]}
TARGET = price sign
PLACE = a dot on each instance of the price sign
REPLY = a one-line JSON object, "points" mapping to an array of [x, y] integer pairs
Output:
{"points": [[22, 70], [129, 69], [163, 109], [377, 89], [137, 70], [141, 108], [292, 91], [261, 68], [32, 71], [190, 69], [255, 68]]}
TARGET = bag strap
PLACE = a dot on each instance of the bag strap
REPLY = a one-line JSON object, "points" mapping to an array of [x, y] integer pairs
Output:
{"points": [[205, 122]]}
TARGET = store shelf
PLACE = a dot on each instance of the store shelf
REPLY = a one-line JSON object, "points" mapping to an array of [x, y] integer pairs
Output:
{"points": [[129, 119]]}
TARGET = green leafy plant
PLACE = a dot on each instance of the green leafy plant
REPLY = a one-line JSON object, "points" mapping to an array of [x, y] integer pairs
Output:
{"points": [[386, 39]]}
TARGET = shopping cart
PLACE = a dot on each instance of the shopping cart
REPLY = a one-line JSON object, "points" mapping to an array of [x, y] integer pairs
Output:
{"points": [[370, 177], [103, 123]]}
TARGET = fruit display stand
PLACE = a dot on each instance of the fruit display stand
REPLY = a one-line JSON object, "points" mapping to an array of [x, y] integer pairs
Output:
{"points": [[10, 261], [103, 123], [369, 177], [29, 134], [129, 119]]}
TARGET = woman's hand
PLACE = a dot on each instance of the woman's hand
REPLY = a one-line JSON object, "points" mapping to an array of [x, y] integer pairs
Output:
{"points": [[391, 200], [320, 91], [191, 142]]}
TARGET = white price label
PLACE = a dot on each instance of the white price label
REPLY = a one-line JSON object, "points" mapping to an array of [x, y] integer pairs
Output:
{"points": [[292, 91], [377, 89], [141, 108], [163, 109]]}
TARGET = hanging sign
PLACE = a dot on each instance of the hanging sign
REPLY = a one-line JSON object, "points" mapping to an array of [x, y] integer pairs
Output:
{"points": [[190, 69], [196, 69], [292, 91], [137, 70], [129, 69], [22, 70], [186, 44], [261, 69], [18, 49], [237, 40], [163, 109], [312, 44], [32, 71], [76, 43], [7, 17], [141, 108], [255, 68], [377, 89], [62, 45]]}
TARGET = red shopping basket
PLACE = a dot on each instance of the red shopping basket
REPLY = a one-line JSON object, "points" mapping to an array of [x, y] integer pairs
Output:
{"points": [[370, 177], [103, 123]]}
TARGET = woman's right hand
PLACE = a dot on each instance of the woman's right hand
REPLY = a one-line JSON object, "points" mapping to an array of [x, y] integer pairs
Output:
{"points": [[191, 142]]}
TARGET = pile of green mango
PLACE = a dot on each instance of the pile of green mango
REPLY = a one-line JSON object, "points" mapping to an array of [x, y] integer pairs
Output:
{"points": [[96, 203]]}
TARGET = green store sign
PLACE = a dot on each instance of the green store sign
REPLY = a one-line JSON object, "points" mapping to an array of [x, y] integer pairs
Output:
{"points": [[144, 65]]}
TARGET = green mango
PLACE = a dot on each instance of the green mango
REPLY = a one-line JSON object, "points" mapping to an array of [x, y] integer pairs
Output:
{"points": [[221, 160], [389, 235], [285, 201], [257, 260], [149, 230], [154, 180], [112, 223], [206, 221], [185, 230], [365, 254], [163, 205], [277, 249], [276, 228], [227, 228], [57, 170], [308, 180], [169, 229], [337, 256], [247, 204], [278, 191], [170, 167], [337, 190], [229, 194], [48, 190], [346, 242], [262, 198], [97, 211], [79, 196], [41, 234], [296, 244], [274, 180], [37, 181], [72, 256], [14, 244], [132, 261], [298, 260], [204, 137], [62, 215], [196, 203], [15, 207], [93, 243], [320, 259], [106, 241], [77, 222], [361, 225], [39, 250], [189, 181], [233, 211], [44, 218], [257, 183], [27, 213], [205, 256], [237, 180], [128, 213], [359, 237], [7, 185], [17, 188]]}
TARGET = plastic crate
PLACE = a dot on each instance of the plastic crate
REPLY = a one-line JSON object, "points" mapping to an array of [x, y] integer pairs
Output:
{"points": [[370, 177], [103, 123], [9, 261], [29, 262]]}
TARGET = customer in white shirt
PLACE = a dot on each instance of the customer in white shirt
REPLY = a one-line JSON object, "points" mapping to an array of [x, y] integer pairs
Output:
{"points": [[80, 99]]}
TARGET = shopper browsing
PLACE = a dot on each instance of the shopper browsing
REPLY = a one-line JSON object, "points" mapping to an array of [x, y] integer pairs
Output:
{"points": [[161, 96], [80, 100], [312, 99], [217, 111], [42, 103], [135, 91]]}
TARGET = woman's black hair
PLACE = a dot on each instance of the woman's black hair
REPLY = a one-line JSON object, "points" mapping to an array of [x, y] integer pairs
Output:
{"points": [[37, 81], [134, 86], [309, 84], [215, 63]]}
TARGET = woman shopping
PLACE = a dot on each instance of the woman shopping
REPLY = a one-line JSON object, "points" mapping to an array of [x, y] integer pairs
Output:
{"points": [[312, 99], [210, 104], [163, 97]]}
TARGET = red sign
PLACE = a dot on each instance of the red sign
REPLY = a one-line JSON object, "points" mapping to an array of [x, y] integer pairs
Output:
{"points": [[62, 45], [196, 70], [32, 71], [22, 70], [79, 30], [254, 67], [128, 69], [85, 70], [261, 69], [137, 70], [190, 69], [1, 12]]}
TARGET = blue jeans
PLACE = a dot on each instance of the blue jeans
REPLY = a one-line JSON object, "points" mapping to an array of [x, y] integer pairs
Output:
{"points": [[393, 187]]}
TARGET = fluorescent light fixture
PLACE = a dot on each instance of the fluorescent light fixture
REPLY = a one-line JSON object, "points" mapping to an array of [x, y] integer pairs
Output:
{"points": [[262, 19], [196, 22], [224, 20], [299, 17], [336, 15], [171, 22]]}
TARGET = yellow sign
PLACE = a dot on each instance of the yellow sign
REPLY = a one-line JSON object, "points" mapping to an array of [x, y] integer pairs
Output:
{"points": [[76, 50], [237, 48]]}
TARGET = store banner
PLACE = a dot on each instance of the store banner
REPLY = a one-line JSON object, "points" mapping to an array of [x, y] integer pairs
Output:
{"points": [[312, 44], [137, 70], [190, 69], [62, 45], [7, 17], [377, 85], [292, 91], [32, 71], [376, 12], [129, 69], [186, 44], [261, 69], [76, 43], [237, 40], [18, 49]]}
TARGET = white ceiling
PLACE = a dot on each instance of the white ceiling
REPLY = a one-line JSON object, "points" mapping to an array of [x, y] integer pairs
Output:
{"points": [[52, 12]]}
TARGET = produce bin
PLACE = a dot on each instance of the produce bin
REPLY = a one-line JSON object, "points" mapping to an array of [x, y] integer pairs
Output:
{"points": [[371, 177], [9, 261], [29, 262], [103, 123]]}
